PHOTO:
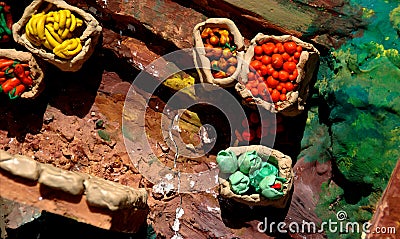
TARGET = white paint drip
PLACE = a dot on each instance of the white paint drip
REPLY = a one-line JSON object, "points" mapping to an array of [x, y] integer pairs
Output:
{"points": [[169, 176], [213, 209], [163, 188]]}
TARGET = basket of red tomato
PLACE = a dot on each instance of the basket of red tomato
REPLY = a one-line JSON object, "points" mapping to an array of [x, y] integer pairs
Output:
{"points": [[277, 73], [20, 74], [218, 52]]}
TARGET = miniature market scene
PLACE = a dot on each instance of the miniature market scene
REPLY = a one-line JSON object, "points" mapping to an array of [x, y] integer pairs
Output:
{"points": [[195, 119]]}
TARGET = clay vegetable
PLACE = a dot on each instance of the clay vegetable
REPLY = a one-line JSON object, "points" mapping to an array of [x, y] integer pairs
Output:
{"points": [[17, 91], [274, 69], [9, 85], [20, 73], [15, 77], [220, 50]]}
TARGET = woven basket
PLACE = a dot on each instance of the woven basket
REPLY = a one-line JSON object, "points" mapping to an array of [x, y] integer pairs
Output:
{"points": [[36, 71], [284, 165], [307, 67], [202, 62], [89, 37]]}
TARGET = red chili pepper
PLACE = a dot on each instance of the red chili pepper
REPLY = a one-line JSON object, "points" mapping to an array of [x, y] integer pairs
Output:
{"points": [[20, 73], [2, 80], [276, 186], [9, 85], [16, 92], [6, 63], [2, 73]]}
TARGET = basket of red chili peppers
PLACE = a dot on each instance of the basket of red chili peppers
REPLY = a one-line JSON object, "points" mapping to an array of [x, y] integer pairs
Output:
{"points": [[5, 22], [277, 73], [20, 74]]}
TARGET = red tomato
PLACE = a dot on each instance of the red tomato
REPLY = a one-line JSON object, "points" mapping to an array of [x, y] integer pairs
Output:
{"points": [[279, 87], [248, 135], [251, 76], [285, 56], [248, 86], [280, 47], [258, 73], [253, 83], [258, 50], [266, 60], [289, 66], [275, 96], [283, 75], [271, 70], [280, 128], [275, 74], [299, 49], [270, 90], [255, 65], [290, 47], [254, 118], [284, 91], [271, 82], [289, 86], [260, 79], [277, 61], [268, 48], [258, 57], [264, 70], [282, 97], [296, 55]]}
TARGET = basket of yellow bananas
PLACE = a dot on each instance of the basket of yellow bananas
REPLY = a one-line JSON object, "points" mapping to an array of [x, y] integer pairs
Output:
{"points": [[59, 33]]}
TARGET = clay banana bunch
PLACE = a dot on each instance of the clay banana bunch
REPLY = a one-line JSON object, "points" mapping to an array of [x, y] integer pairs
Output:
{"points": [[54, 31]]}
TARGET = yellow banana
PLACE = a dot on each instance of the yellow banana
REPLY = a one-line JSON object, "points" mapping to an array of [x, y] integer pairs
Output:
{"points": [[56, 20], [61, 55], [50, 39], [50, 24], [73, 52], [65, 33], [63, 18], [60, 31], [33, 24], [68, 13], [56, 16], [60, 47], [79, 22], [50, 14], [28, 27], [73, 23], [68, 23], [73, 44], [54, 34], [47, 44], [49, 19], [40, 27]]}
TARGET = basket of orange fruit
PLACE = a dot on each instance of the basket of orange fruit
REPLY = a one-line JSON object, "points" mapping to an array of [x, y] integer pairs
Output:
{"points": [[218, 52]]}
